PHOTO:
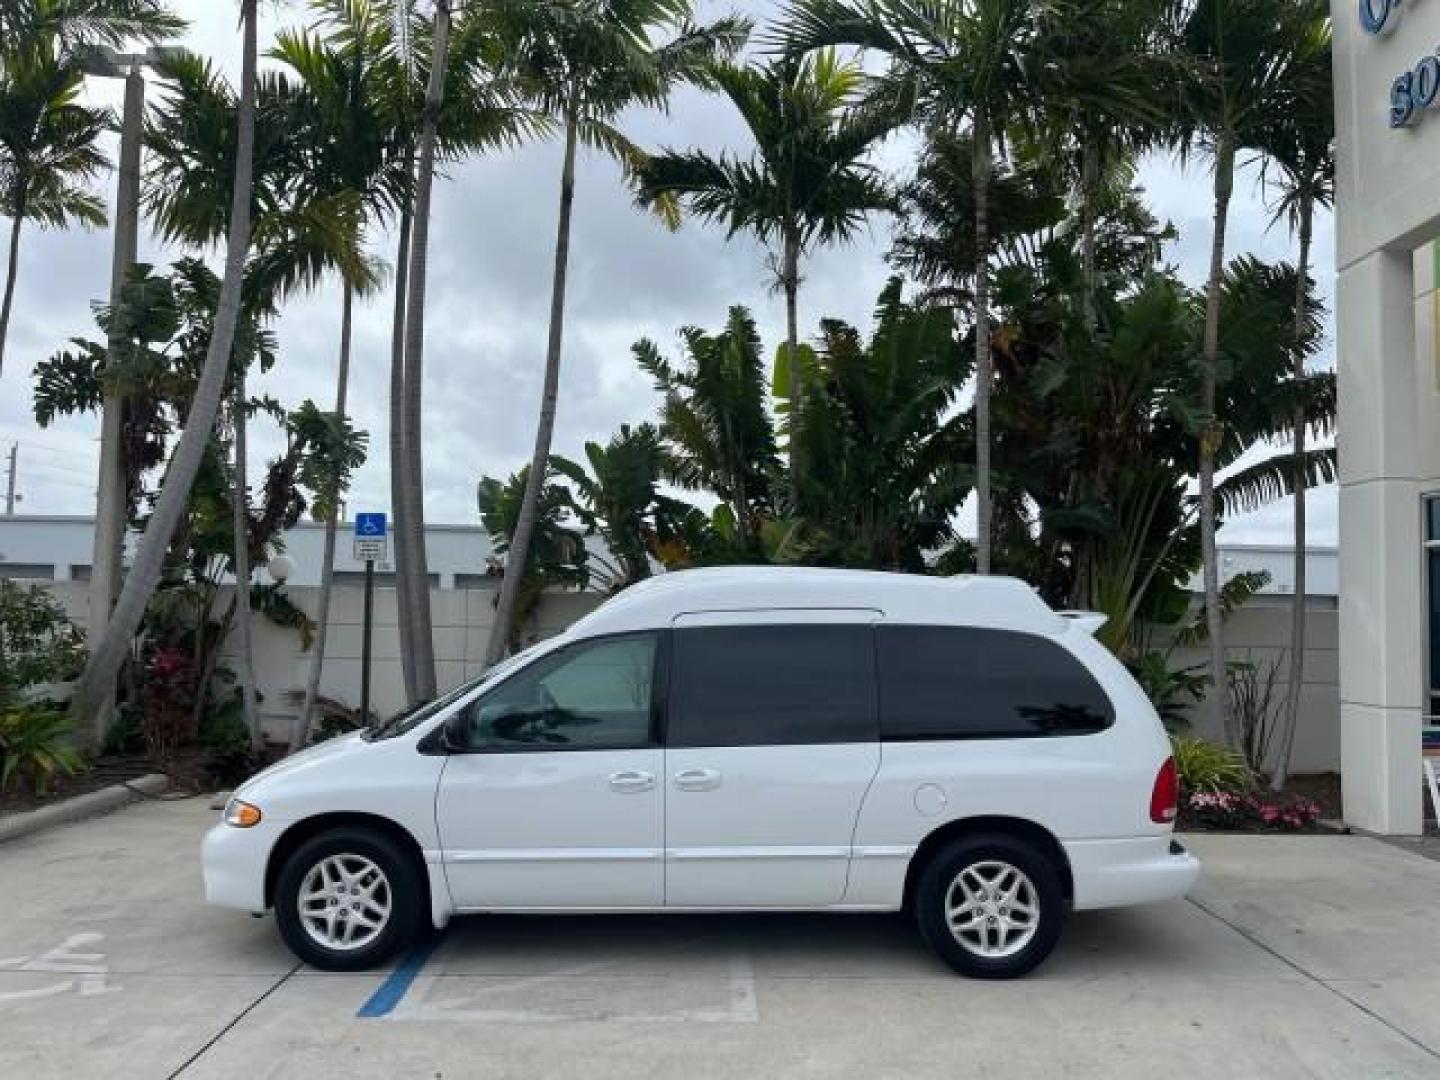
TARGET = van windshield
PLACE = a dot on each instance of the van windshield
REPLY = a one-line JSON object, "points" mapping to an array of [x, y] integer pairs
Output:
{"points": [[409, 719]]}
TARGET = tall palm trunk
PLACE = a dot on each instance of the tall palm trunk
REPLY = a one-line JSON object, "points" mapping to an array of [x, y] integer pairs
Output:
{"points": [[1297, 606], [332, 522], [790, 282], [12, 268], [108, 654], [403, 579], [1089, 184], [1210, 439], [240, 505], [519, 552], [981, 180], [422, 644]]}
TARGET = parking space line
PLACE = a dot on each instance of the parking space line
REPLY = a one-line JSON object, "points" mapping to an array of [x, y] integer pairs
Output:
{"points": [[393, 990]]}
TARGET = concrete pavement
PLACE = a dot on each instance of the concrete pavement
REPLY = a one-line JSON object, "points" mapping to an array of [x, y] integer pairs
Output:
{"points": [[1305, 956]]}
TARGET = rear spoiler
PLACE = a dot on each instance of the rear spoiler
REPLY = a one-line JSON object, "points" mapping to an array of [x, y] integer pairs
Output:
{"points": [[1087, 621]]}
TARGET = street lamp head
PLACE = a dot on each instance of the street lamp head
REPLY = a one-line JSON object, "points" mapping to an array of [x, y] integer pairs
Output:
{"points": [[279, 568], [108, 63]]}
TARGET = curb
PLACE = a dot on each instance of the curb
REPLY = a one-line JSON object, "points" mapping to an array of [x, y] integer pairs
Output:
{"points": [[82, 806]]}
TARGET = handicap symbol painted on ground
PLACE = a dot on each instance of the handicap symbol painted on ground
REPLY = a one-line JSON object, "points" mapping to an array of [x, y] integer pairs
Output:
{"points": [[85, 972]]}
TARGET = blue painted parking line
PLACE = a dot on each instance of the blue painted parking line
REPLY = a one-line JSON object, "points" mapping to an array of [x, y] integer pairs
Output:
{"points": [[392, 991]]}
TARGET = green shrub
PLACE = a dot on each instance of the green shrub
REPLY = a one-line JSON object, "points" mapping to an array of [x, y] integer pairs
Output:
{"points": [[1205, 766], [1171, 690], [39, 643], [35, 745], [126, 733]]}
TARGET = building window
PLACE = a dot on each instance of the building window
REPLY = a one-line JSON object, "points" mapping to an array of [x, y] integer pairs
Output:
{"points": [[29, 571]]}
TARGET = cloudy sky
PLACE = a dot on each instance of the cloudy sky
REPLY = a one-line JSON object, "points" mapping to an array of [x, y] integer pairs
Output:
{"points": [[491, 251]]}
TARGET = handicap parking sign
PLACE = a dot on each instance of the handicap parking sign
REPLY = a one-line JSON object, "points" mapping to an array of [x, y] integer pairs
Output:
{"points": [[370, 532]]}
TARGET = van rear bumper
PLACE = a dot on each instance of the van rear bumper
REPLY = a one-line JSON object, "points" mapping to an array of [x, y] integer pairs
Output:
{"points": [[1114, 873]]}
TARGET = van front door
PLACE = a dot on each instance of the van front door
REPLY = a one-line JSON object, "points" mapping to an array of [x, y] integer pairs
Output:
{"points": [[771, 745], [554, 801]]}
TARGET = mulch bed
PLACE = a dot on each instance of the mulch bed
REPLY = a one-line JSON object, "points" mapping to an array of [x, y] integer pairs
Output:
{"points": [[190, 771], [106, 771]]}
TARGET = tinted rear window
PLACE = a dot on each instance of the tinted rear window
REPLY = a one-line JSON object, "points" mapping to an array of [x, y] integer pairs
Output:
{"points": [[772, 685], [971, 682]]}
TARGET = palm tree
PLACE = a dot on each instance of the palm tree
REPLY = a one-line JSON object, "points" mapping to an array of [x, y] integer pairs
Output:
{"points": [[106, 656], [349, 78], [49, 151], [1298, 145], [589, 62], [972, 60], [1243, 50], [1106, 101], [806, 181], [49, 141], [414, 576], [470, 49]]}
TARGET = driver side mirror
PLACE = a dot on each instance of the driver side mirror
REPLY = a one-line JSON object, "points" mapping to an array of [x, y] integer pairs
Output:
{"points": [[455, 734]]}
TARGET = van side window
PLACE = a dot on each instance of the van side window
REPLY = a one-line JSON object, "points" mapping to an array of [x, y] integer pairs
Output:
{"points": [[772, 685], [594, 695], [961, 682]]}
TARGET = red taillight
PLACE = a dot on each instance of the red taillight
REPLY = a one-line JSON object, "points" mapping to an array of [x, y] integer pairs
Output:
{"points": [[1165, 798]]}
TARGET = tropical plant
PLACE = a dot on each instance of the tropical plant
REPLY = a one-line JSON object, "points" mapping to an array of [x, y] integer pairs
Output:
{"points": [[49, 140], [39, 642], [1297, 144], [620, 501], [36, 744], [1207, 766], [1174, 691], [301, 228], [975, 62], [49, 151], [715, 428], [1243, 51], [587, 63], [1258, 704], [882, 445], [349, 76], [806, 182], [109, 652], [557, 558]]}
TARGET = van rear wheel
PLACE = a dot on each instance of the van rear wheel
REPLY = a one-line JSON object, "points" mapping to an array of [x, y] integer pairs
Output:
{"points": [[991, 906]]}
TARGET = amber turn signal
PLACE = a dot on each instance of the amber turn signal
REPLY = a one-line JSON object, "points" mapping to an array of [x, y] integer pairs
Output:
{"points": [[241, 814]]}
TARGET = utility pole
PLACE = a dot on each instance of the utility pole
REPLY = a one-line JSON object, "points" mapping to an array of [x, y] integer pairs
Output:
{"points": [[110, 507], [10, 483]]}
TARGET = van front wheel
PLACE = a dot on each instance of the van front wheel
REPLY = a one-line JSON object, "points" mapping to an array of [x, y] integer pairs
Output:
{"points": [[990, 906], [347, 899]]}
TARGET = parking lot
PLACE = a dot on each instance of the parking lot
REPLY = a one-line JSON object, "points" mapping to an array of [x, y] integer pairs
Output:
{"points": [[1305, 956]]}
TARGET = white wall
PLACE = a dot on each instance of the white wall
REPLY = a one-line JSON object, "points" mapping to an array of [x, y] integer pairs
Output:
{"points": [[1260, 632]]}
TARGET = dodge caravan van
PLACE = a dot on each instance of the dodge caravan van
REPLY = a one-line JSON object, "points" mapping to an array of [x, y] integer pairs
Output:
{"points": [[738, 739]]}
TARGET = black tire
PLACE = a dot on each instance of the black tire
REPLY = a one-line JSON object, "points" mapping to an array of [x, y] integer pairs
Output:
{"points": [[402, 889], [984, 853]]}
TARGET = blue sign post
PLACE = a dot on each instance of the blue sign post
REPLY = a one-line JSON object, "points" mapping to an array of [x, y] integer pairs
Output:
{"points": [[370, 544]]}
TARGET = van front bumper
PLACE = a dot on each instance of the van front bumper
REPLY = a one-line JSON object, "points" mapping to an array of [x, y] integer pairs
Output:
{"points": [[234, 862], [1115, 873]]}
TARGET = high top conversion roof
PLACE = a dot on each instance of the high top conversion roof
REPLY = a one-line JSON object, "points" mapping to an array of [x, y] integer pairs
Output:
{"points": [[964, 600]]}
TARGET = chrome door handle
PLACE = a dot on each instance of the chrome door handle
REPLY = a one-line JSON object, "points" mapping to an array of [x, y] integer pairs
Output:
{"points": [[632, 781], [698, 779]]}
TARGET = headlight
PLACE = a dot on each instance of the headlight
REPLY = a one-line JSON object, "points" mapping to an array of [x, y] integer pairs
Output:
{"points": [[241, 814]]}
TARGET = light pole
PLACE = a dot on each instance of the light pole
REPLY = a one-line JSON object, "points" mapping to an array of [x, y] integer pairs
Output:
{"points": [[110, 517]]}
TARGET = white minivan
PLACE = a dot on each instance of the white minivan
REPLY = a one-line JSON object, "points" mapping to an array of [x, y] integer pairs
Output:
{"points": [[738, 739]]}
